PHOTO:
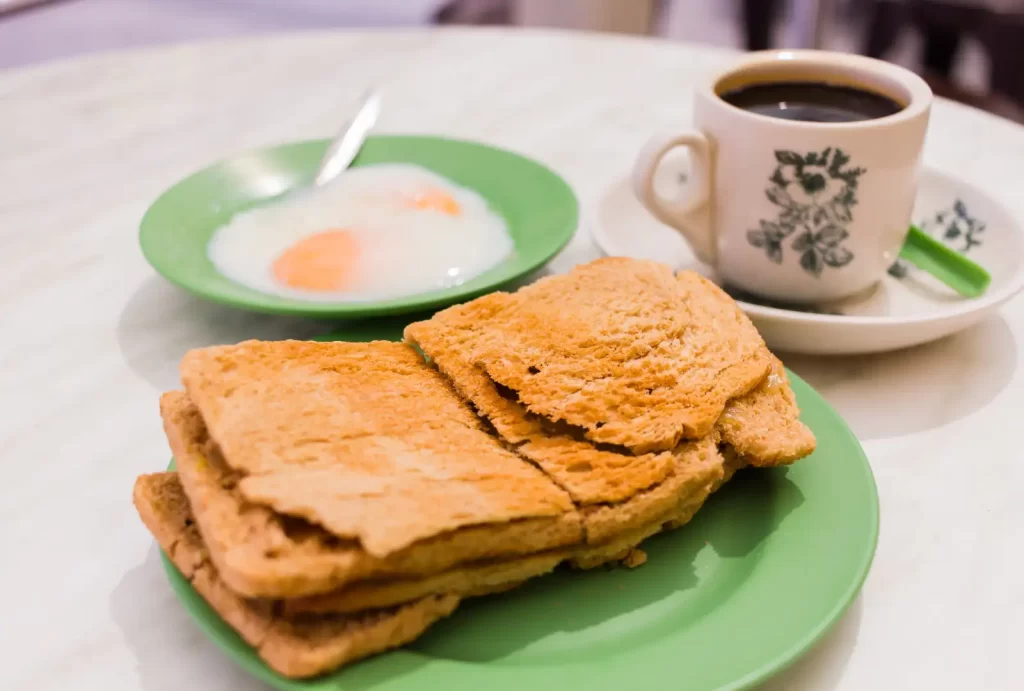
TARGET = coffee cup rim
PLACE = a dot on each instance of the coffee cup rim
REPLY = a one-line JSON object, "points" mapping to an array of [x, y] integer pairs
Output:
{"points": [[918, 94]]}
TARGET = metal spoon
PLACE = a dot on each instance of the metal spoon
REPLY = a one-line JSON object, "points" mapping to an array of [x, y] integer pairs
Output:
{"points": [[349, 141]]}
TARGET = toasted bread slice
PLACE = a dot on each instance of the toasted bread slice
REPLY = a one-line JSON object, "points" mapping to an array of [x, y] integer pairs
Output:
{"points": [[764, 426], [363, 439], [297, 648], [589, 473], [612, 530], [164, 492], [598, 474], [473, 580], [467, 580], [697, 465], [623, 349], [624, 546], [259, 553]]}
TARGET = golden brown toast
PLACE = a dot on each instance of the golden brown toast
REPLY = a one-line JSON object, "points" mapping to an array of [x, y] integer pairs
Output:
{"points": [[618, 493], [164, 490], [697, 465], [259, 553], [263, 555], [466, 580], [622, 547], [363, 439], [623, 349], [483, 578], [612, 530], [764, 426], [590, 474], [779, 444], [303, 647]]}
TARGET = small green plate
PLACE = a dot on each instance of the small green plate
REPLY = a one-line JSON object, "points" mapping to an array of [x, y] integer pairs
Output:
{"points": [[538, 206], [761, 573]]}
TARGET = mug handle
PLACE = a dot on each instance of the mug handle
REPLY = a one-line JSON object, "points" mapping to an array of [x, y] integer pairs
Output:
{"points": [[680, 213]]}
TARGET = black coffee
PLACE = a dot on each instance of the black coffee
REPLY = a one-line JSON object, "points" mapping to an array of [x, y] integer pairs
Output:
{"points": [[812, 102]]}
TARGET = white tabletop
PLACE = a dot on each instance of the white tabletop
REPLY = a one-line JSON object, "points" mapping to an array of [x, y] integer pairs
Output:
{"points": [[92, 336]]}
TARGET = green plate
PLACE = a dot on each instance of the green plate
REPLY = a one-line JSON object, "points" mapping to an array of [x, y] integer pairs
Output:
{"points": [[770, 563], [538, 206]]}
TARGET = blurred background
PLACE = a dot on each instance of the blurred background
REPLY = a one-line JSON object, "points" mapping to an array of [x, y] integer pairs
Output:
{"points": [[969, 50]]}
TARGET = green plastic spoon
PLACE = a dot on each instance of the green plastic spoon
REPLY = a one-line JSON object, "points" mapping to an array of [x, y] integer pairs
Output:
{"points": [[949, 266]]}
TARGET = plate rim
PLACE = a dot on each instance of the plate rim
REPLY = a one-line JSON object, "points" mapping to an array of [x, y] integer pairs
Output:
{"points": [[247, 659], [990, 300], [264, 303]]}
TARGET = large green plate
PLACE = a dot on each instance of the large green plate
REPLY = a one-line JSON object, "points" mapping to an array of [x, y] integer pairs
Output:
{"points": [[538, 206], [760, 574]]}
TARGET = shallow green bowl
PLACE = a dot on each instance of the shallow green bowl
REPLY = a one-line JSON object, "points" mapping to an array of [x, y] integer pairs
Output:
{"points": [[538, 206]]}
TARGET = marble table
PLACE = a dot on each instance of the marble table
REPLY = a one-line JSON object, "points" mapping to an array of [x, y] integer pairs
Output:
{"points": [[91, 336]]}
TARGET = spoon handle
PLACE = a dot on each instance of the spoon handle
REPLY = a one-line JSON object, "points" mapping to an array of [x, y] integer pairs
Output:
{"points": [[949, 266], [349, 141]]}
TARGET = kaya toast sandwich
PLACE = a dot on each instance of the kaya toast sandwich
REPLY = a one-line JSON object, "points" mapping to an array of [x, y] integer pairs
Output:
{"points": [[302, 647], [491, 575], [608, 482], [313, 465], [761, 428]]}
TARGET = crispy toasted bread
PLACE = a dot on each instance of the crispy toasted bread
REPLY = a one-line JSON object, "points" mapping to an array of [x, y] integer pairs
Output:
{"points": [[625, 350], [597, 473], [612, 530], [259, 553], [620, 549], [164, 491], [466, 580], [302, 647], [361, 438], [590, 474], [764, 426], [697, 465], [262, 555]]}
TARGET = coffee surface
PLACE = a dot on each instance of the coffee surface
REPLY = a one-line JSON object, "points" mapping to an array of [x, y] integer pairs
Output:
{"points": [[812, 102]]}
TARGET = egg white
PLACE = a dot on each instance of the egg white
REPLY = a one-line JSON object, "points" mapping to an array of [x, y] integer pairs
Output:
{"points": [[403, 251]]}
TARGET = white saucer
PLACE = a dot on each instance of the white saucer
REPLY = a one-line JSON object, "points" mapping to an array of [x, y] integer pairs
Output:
{"points": [[907, 308]]}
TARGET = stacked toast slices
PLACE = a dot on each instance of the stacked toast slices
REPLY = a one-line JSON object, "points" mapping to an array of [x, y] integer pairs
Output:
{"points": [[333, 500]]}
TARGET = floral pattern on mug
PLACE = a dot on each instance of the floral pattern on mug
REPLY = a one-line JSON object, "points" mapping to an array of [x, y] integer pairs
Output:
{"points": [[815, 193], [955, 226]]}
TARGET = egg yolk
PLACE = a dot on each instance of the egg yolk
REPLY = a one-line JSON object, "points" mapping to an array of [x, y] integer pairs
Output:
{"points": [[435, 200], [322, 262]]}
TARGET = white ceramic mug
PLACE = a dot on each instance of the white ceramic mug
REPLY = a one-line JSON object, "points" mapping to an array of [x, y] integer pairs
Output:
{"points": [[793, 210]]}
